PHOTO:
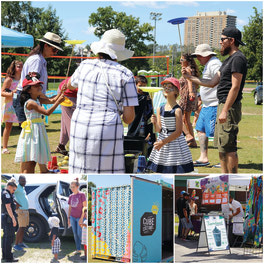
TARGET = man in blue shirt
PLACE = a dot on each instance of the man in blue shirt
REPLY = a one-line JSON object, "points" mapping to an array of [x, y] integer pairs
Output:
{"points": [[22, 212]]}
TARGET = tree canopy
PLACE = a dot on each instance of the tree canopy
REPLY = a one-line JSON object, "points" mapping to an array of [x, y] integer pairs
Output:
{"points": [[253, 37], [136, 34], [23, 17]]}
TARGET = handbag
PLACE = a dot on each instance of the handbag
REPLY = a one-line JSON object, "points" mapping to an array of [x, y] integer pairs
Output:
{"points": [[118, 105]]}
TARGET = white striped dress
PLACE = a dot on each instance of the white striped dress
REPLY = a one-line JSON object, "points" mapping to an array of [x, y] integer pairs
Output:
{"points": [[33, 146], [96, 134], [175, 156]]}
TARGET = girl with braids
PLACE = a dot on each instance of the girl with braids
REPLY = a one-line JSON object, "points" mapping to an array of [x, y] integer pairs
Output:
{"points": [[188, 101], [8, 89], [77, 201], [33, 144]]}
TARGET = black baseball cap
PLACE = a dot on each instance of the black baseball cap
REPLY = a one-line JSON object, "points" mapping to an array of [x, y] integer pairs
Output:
{"points": [[233, 32]]}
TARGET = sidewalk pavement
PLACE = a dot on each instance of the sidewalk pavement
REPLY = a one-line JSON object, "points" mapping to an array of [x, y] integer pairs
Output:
{"points": [[185, 252]]}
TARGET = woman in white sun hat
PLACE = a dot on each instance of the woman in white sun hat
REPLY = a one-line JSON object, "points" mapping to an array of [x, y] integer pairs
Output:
{"points": [[96, 137]]}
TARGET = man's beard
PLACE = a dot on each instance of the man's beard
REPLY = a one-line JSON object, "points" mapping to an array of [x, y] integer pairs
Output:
{"points": [[225, 51]]}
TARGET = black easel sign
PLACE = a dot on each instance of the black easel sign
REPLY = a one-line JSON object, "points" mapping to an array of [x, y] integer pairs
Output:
{"points": [[213, 234]]}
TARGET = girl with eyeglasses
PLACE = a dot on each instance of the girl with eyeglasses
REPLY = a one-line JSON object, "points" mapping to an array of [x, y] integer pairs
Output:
{"points": [[188, 97], [8, 90], [170, 153]]}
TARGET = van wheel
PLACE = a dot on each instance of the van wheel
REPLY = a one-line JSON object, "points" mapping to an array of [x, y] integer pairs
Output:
{"points": [[34, 231]]}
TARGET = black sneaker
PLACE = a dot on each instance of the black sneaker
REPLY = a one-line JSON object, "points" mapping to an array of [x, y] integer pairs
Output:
{"points": [[12, 260]]}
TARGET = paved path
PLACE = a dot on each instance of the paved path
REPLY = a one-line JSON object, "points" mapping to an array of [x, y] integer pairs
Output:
{"points": [[185, 252]]}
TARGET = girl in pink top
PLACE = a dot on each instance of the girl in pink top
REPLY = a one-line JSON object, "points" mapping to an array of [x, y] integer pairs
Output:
{"points": [[8, 90], [77, 201]]}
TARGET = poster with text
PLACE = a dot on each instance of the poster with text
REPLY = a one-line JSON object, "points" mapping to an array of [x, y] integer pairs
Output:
{"points": [[215, 189], [216, 233]]}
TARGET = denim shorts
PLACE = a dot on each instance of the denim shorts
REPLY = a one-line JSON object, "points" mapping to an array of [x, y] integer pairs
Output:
{"points": [[185, 224], [206, 120], [19, 109]]}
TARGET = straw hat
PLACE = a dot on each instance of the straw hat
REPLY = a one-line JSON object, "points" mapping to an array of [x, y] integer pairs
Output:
{"points": [[54, 221], [113, 44], [52, 39], [203, 50]]}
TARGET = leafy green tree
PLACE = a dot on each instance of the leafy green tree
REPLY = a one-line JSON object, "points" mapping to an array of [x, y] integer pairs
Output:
{"points": [[136, 34], [252, 36], [23, 17]]}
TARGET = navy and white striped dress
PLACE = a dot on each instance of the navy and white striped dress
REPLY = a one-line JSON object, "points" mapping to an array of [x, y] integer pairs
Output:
{"points": [[96, 134], [175, 156]]}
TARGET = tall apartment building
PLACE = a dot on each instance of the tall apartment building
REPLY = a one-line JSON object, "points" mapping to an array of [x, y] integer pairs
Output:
{"points": [[206, 27]]}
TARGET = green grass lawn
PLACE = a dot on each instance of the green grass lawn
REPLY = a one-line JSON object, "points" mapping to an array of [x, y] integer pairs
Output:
{"points": [[41, 252], [250, 142]]}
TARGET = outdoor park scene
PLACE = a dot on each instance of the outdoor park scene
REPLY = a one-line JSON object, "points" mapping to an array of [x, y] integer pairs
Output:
{"points": [[156, 62], [129, 213], [46, 201], [219, 218]]}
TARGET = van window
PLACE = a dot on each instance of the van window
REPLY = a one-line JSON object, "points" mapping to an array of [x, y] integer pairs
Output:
{"points": [[64, 189], [30, 189]]}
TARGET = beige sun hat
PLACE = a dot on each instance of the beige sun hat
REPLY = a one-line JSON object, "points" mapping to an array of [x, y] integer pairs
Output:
{"points": [[203, 50], [52, 39], [113, 44]]}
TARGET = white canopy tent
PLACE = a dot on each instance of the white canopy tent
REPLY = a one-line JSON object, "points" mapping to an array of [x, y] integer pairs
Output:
{"points": [[236, 182]]}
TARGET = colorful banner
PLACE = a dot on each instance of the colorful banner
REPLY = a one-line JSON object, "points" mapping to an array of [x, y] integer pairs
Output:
{"points": [[215, 190]]}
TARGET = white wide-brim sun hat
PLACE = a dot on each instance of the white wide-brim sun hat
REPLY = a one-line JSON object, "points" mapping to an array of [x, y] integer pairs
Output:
{"points": [[113, 44]]}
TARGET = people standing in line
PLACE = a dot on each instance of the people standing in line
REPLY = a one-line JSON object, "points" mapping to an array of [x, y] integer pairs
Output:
{"points": [[77, 201], [8, 91], [66, 115], [179, 208], [230, 79], [96, 141], [48, 46], [205, 125], [33, 144], [186, 219], [188, 97], [9, 221], [170, 153], [21, 200]]}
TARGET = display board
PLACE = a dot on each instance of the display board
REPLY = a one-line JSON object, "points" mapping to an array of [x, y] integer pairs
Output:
{"points": [[213, 233], [147, 221], [215, 190]]}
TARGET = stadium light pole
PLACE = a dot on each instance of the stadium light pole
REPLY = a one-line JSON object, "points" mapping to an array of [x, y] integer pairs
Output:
{"points": [[155, 16]]}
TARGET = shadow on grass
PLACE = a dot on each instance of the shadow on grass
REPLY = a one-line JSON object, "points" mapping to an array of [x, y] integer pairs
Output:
{"points": [[248, 166]]}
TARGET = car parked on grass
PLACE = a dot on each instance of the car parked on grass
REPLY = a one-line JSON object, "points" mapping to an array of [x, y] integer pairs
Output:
{"points": [[47, 197], [258, 94]]}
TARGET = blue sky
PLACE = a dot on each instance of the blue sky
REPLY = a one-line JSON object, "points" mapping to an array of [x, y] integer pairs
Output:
{"points": [[118, 180], [75, 14]]}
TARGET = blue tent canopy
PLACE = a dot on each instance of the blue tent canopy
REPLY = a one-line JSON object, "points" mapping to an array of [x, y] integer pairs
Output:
{"points": [[14, 39], [178, 20]]}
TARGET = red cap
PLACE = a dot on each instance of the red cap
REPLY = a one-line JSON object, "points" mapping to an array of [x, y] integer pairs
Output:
{"points": [[32, 81], [173, 81]]}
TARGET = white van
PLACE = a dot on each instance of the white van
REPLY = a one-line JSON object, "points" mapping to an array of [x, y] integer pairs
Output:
{"points": [[48, 195]]}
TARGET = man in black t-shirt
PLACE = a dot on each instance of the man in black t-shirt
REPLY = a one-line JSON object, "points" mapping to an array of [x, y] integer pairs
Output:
{"points": [[230, 79], [179, 208]]}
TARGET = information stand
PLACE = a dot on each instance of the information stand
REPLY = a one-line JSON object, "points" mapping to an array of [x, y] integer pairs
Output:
{"points": [[213, 235]]}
